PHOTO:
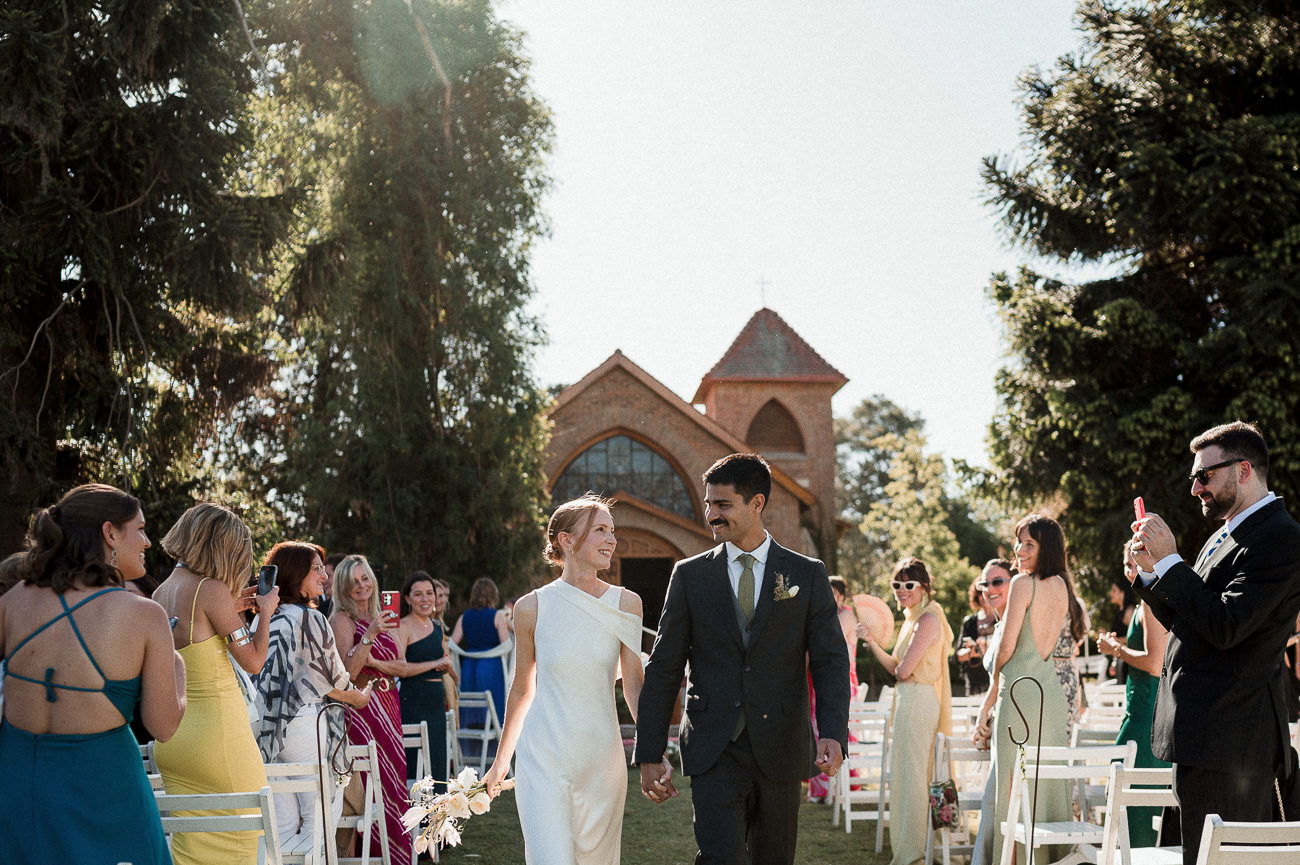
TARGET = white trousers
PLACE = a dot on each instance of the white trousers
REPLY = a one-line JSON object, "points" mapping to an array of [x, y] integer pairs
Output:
{"points": [[300, 813]]}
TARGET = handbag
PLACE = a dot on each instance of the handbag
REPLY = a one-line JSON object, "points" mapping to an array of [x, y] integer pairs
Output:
{"points": [[943, 804]]}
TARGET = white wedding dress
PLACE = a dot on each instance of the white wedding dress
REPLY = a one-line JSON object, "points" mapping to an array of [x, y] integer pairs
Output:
{"points": [[570, 766]]}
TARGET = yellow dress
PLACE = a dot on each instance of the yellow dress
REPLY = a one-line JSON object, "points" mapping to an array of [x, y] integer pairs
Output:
{"points": [[213, 751], [922, 709]]}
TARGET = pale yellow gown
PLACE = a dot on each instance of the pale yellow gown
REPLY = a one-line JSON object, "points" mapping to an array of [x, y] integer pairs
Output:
{"points": [[922, 710], [213, 751]]}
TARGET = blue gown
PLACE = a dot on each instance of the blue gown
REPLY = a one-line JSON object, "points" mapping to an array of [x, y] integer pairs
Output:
{"points": [[479, 633], [78, 797]]}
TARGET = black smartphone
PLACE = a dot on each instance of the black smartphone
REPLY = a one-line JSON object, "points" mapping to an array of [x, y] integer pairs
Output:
{"points": [[266, 578]]}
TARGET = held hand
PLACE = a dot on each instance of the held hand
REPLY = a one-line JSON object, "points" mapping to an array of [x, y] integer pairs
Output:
{"points": [[492, 780], [1107, 644], [388, 620], [267, 604], [246, 599], [656, 781], [1152, 541], [829, 756]]}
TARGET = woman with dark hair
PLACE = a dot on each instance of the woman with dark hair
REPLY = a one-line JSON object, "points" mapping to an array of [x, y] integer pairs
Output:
{"points": [[1122, 597], [79, 652], [1143, 653], [302, 671], [975, 631], [1042, 614], [922, 706], [422, 694], [575, 635], [213, 751], [480, 628]]}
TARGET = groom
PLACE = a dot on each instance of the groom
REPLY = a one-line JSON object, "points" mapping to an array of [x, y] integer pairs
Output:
{"points": [[743, 617]]}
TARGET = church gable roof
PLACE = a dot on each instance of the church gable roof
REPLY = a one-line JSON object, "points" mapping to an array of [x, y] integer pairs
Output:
{"points": [[768, 349]]}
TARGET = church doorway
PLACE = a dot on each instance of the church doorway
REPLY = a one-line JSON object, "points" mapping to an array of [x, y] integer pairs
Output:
{"points": [[648, 577]]}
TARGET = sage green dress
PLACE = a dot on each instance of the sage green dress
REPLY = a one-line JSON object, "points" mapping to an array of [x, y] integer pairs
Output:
{"points": [[1054, 796], [1139, 710]]}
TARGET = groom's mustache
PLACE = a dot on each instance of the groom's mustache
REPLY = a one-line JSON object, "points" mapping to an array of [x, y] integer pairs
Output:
{"points": [[717, 524]]}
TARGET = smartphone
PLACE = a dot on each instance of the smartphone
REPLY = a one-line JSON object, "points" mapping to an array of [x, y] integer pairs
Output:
{"points": [[388, 601], [266, 578], [1139, 509]]}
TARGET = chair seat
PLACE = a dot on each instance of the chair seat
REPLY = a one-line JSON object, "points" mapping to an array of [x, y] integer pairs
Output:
{"points": [[1063, 832]]}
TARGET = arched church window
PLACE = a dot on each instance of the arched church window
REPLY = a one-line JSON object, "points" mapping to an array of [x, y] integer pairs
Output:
{"points": [[774, 430], [623, 463]]}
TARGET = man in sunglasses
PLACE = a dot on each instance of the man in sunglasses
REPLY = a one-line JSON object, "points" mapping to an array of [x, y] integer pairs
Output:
{"points": [[1220, 715]]}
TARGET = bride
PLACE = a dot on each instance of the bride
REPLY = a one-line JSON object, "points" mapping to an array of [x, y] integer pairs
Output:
{"points": [[571, 637]]}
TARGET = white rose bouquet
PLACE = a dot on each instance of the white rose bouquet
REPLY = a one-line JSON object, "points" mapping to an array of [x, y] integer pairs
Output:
{"points": [[446, 812]]}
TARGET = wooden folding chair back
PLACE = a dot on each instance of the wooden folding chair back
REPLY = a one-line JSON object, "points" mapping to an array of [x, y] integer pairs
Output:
{"points": [[1225, 843], [1136, 788], [365, 758]]}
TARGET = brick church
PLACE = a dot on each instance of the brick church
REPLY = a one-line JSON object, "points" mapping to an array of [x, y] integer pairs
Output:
{"points": [[622, 433]]}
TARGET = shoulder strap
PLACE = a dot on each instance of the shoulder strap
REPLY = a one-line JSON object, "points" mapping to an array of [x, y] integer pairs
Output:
{"points": [[194, 605]]}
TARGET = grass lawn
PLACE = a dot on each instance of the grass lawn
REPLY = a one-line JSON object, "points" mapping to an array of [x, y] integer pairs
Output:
{"points": [[662, 834]]}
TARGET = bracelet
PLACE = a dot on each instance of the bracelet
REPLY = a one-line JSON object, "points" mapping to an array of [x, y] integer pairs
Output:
{"points": [[239, 637], [366, 641]]}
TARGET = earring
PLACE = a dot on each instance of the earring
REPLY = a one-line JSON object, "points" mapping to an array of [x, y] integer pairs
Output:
{"points": [[112, 560]]}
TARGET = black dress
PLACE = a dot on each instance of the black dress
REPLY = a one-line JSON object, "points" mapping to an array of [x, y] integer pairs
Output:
{"points": [[977, 678], [423, 699]]}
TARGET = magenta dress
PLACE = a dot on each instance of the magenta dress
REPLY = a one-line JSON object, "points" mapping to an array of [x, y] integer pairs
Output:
{"points": [[382, 721]]}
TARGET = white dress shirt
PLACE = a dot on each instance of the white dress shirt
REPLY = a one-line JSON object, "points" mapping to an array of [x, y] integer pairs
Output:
{"points": [[1162, 567], [734, 566]]}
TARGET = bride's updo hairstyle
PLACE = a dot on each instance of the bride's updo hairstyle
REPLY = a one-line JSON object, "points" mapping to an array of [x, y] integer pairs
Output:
{"points": [[573, 518], [212, 541], [64, 545]]}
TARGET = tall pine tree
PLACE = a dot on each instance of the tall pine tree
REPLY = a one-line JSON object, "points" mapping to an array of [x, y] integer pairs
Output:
{"points": [[127, 264], [1168, 150], [407, 425]]}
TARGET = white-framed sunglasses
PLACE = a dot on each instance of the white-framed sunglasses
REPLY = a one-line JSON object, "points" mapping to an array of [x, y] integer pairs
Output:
{"points": [[905, 585]]}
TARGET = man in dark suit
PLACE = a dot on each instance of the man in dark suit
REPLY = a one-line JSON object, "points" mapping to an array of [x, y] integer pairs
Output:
{"points": [[1220, 715], [743, 617]]}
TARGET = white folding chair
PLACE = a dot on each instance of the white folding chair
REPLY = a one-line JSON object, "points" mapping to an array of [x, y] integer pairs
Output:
{"points": [[309, 778], [868, 757], [1224, 843], [1136, 788], [491, 729], [453, 744], [1060, 764], [365, 758], [262, 821], [417, 736]]}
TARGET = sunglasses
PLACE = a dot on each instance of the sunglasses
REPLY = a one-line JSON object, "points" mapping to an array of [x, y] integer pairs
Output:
{"points": [[1202, 476], [996, 581], [906, 585]]}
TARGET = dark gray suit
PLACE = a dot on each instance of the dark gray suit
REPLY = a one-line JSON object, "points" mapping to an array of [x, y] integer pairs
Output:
{"points": [[1220, 712], [760, 673]]}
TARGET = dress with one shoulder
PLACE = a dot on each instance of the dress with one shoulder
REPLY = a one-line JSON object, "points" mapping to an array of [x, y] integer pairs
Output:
{"points": [[1139, 710], [381, 721], [213, 749], [423, 699], [65, 794], [1053, 796], [571, 768]]}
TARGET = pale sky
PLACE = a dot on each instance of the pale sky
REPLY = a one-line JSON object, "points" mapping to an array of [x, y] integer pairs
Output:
{"points": [[829, 148]]}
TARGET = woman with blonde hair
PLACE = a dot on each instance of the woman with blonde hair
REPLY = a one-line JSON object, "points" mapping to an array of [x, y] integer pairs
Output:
{"points": [[367, 639], [213, 751], [80, 653], [573, 636], [922, 705]]}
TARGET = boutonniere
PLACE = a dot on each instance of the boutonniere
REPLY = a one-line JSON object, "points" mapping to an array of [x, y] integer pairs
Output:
{"points": [[784, 591]]}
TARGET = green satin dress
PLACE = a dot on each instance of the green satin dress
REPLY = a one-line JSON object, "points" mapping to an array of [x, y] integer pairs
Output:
{"points": [[1140, 707]]}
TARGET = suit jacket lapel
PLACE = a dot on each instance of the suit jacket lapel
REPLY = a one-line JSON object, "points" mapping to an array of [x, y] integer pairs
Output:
{"points": [[719, 596]]}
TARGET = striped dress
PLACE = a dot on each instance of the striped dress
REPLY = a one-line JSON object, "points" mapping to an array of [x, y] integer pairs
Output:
{"points": [[381, 720]]}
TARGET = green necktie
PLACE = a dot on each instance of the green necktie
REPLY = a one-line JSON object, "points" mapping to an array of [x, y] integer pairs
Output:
{"points": [[745, 593]]}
